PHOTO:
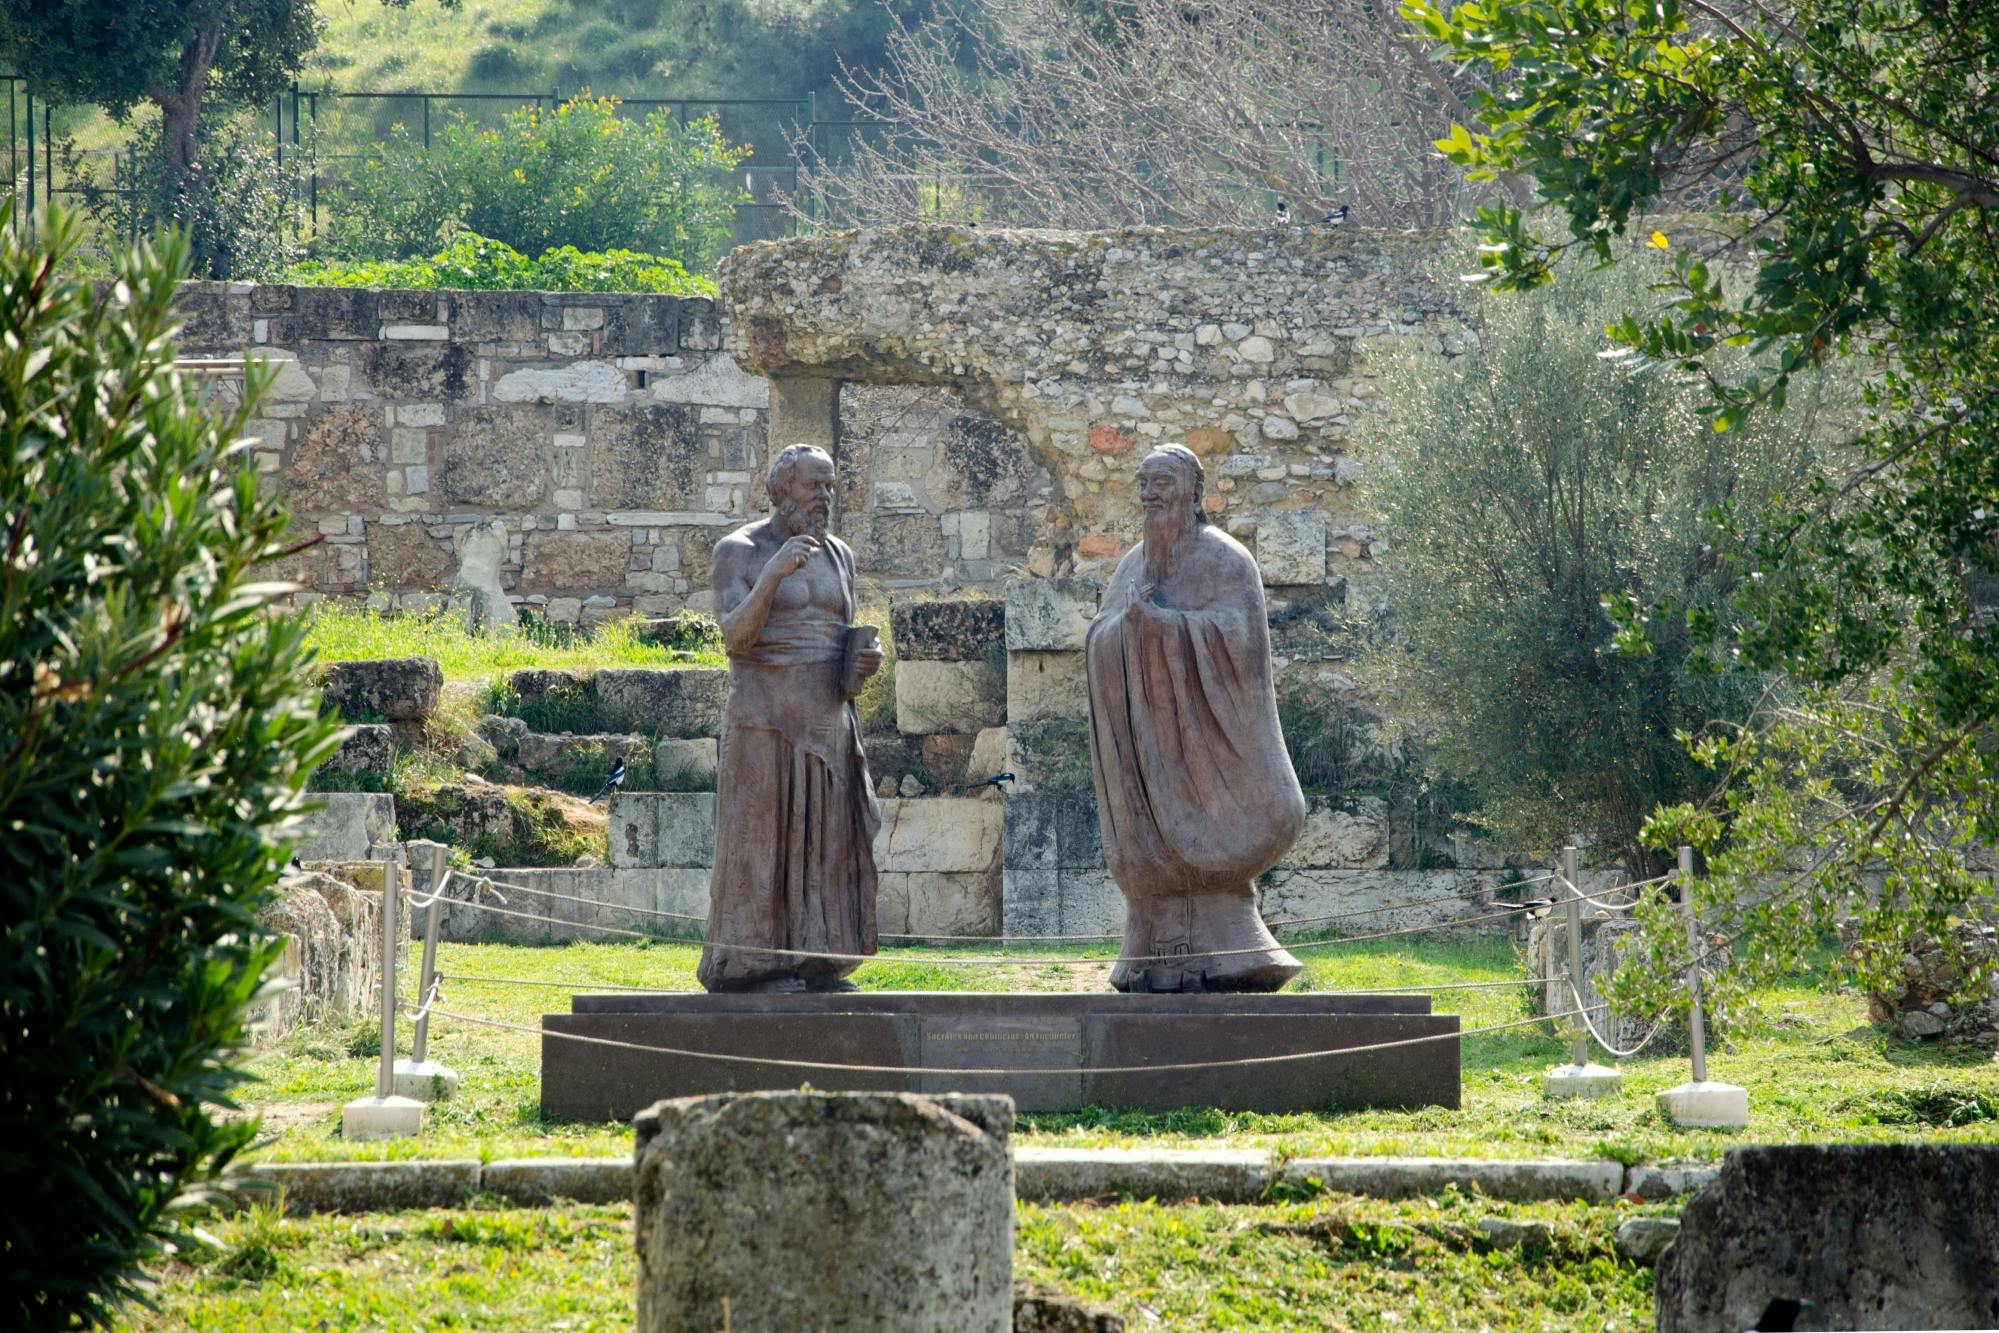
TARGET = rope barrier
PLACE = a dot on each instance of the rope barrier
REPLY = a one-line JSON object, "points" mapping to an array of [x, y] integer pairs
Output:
{"points": [[1582, 1012], [585, 988], [1599, 898], [1186, 1066], [1008, 960], [989, 939]]}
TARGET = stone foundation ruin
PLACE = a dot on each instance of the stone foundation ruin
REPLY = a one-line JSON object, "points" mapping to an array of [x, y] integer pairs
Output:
{"points": [[987, 395]]}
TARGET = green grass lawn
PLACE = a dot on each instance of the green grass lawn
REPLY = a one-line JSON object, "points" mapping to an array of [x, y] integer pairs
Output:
{"points": [[350, 634], [1813, 1073], [1330, 1263]]}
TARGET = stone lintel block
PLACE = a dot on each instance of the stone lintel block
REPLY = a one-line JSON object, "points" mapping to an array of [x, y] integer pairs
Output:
{"points": [[942, 833], [1170, 1175], [1040, 686], [960, 630], [394, 689], [686, 702], [1497, 1178], [324, 314], [1291, 547], [1050, 615], [960, 697]]}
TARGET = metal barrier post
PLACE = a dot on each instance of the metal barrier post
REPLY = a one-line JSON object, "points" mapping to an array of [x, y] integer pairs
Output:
{"points": [[1696, 1020], [385, 1073], [427, 974], [1573, 910], [384, 1115], [418, 1076], [1578, 1078], [1700, 1104]]}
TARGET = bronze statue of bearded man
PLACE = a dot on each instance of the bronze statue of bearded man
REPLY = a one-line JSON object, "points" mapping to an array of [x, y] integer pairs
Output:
{"points": [[1196, 796]]}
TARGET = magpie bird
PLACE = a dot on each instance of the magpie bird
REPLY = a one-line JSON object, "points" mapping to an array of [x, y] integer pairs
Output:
{"points": [[616, 779], [989, 782], [1283, 211], [1334, 218]]}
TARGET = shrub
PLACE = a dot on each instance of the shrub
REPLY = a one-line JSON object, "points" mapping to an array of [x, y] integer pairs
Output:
{"points": [[478, 263], [240, 209], [156, 729], [581, 175], [1523, 485]]}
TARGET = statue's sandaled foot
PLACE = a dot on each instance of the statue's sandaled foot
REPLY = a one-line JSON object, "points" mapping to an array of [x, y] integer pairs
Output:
{"points": [[1210, 942]]}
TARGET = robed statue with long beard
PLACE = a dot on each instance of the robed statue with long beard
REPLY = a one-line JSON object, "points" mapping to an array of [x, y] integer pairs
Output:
{"points": [[1196, 796], [795, 819]]}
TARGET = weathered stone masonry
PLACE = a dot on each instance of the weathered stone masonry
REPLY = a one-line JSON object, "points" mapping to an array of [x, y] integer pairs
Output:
{"points": [[989, 396], [608, 434]]}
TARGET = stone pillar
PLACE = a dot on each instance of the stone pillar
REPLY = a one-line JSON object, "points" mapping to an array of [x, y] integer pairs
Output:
{"points": [[884, 1211], [805, 411]]}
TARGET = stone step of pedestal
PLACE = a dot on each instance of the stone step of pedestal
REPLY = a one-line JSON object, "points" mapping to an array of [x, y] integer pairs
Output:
{"points": [[1041, 1175], [1041, 1047]]}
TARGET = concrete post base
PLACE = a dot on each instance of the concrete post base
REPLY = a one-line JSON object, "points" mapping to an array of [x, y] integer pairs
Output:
{"points": [[381, 1118], [1590, 1080], [1706, 1106], [427, 1080]]}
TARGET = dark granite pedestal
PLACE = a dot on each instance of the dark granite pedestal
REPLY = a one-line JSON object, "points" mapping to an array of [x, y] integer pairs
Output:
{"points": [[1041, 1047]]}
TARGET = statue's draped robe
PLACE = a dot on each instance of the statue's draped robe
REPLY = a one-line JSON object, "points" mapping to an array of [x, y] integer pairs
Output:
{"points": [[795, 818], [1196, 796]]}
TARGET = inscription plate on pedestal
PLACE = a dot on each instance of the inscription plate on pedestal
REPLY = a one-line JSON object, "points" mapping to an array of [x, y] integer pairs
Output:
{"points": [[970, 1041]]}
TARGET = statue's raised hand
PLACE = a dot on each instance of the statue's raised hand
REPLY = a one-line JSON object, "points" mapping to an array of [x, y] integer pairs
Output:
{"points": [[793, 555]]}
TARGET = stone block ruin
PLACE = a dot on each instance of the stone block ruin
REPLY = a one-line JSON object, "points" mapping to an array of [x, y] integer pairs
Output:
{"points": [[987, 397]]}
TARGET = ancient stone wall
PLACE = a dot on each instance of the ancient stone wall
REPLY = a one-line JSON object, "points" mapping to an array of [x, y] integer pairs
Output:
{"points": [[988, 395], [1250, 347], [608, 435]]}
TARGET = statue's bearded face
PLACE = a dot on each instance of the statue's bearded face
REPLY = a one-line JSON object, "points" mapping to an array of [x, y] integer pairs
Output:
{"points": [[805, 501], [1168, 500]]}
